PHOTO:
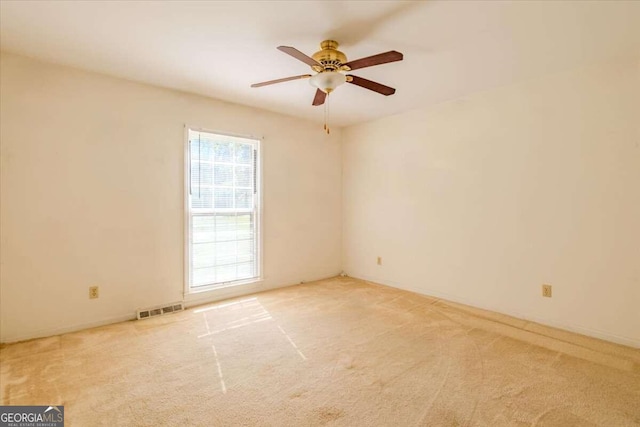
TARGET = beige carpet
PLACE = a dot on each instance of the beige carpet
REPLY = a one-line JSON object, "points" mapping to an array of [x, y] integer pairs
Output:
{"points": [[338, 352]]}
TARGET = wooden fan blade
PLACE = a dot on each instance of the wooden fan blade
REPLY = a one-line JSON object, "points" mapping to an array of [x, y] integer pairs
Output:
{"points": [[319, 98], [371, 85], [286, 79], [370, 61], [298, 55]]}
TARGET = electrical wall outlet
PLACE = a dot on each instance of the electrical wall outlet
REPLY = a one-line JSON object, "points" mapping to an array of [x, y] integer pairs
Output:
{"points": [[546, 291], [94, 292], [379, 261]]}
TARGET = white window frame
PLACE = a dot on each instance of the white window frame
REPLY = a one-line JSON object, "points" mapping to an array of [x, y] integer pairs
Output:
{"points": [[187, 215]]}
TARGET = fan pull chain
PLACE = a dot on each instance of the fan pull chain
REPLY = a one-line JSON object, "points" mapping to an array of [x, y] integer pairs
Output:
{"points": [[324, 109], [326, 115]]}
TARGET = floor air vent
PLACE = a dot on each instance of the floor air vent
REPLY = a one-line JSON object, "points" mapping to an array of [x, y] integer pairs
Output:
{"points": [[158, 311]]}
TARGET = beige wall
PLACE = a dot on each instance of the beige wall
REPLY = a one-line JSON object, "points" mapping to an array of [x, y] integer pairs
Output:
{"points": [[484, 199], [92, 194], [479, 200]]}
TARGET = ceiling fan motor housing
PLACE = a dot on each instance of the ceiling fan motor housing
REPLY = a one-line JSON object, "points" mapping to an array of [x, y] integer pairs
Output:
{"points": [[330, 57]]}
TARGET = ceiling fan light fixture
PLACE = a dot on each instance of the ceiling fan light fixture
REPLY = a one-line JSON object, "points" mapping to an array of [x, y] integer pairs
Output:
{"points": [[327, 81]]}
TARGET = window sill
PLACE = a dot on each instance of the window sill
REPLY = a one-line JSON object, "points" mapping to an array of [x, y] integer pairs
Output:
{"points": [[217, 292]]}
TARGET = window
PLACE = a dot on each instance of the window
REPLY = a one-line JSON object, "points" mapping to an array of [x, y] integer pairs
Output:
{"points": [[223, 204]]}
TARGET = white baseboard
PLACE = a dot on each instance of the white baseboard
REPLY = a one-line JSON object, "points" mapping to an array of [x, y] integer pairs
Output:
{"points": [[215, 295], [603, 335], [66, 329], [190, 300]]}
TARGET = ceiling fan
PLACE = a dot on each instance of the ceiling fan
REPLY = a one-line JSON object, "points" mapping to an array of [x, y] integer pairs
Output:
{"points": [[330, 66]]}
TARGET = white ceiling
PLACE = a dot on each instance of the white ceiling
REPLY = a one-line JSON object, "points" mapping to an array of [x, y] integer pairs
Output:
{"points": [[218, 48]]}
